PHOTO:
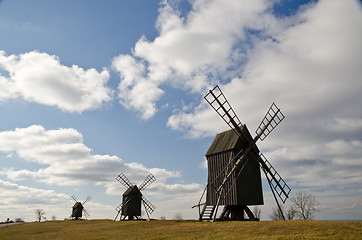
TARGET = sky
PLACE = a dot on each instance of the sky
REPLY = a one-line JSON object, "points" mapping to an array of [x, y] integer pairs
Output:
{"points": [[90, 89]]}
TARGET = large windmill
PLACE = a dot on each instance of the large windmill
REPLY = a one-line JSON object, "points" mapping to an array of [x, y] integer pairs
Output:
{"points": [[78, 208], [133, 198], [234, 163]]}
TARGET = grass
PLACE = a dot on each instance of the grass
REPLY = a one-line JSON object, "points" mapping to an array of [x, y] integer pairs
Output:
{"points": [[170, 229]]}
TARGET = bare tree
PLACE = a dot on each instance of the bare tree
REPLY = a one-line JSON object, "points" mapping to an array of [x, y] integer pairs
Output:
{"points": [[257, 212], [291, 213], [39, 214], [276, 214], [305, 205], [54, 218], [177, 216]]}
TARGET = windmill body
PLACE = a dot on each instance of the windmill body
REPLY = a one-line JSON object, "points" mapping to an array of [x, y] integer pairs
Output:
{"points": [[132, 199], [234, 162], [77, 210]]}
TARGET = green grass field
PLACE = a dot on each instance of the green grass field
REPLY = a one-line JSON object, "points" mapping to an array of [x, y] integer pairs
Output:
{"points": [[169, 229]]}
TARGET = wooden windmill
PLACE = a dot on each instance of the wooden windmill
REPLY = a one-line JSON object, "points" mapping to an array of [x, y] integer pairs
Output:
{"points": [[234, 163], [133, 198], [78, 208]]}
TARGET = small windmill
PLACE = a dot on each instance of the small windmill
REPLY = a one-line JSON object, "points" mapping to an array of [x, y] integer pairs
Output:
{"points": [[234, 163], [133, 198], [78, 208]]}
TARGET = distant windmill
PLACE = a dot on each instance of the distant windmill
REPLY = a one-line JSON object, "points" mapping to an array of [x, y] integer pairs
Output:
{"points": [[234, 163], [78, 208], [133, 198]]}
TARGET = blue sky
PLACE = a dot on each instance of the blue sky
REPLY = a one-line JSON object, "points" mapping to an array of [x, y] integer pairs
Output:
{"points": [[89, 89]]}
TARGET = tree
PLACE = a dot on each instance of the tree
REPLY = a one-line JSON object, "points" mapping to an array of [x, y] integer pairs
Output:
{"points": [[257, 212], [39, 214], [177, 216], [305, 205], [291, 213], [54, 218], [276, 214]]}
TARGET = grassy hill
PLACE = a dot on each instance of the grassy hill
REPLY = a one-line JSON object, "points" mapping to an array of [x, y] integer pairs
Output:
{"points": [[169, 229]]}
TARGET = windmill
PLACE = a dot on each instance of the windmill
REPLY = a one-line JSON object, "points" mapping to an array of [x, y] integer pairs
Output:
{"points": [[78, 208], [234, 163], [133, 198]]}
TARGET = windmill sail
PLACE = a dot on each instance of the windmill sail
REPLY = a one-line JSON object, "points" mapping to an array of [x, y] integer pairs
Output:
{"points": [[74, 198], [147, 182], [148, 205], [124, 180], [220, 104], [87, 199], [271, 119], [274, 179]]}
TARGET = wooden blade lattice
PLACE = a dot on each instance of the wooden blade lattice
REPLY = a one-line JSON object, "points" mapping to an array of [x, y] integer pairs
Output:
{"points": [[87, 199], [86, 213], [274, 179], [271, 119], [147, 182], [74, 198], [124, 180], [220, 104], [148, 205]]}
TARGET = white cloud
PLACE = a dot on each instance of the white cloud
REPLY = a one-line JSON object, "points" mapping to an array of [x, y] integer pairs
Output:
{"points": [[23, 201], [189, 52], [40, 77], [64, 160]]}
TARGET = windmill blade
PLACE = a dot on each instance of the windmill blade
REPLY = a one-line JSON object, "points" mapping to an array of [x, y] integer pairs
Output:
{"points": [[74, 198], [271, 119], [124, 180], [147, 182], [274, 179], [87, 199], [220, 104], [86, 213], [148, 206]]}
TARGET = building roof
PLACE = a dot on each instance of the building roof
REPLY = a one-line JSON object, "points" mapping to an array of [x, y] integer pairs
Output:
{"points": [[78, 204], [229, 140], [132, 190]]}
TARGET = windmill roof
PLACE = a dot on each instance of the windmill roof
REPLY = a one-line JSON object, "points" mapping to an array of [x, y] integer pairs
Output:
{"points": [[77, 204], [132, 190], [229, 140]]}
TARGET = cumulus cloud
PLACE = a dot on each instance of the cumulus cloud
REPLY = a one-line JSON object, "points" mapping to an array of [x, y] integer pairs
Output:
{"points": [[189, 53], [41, 78], [22, 201], [64, 160]]}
